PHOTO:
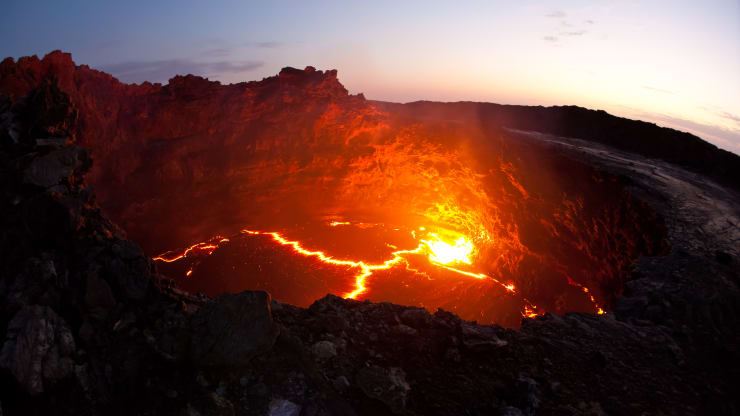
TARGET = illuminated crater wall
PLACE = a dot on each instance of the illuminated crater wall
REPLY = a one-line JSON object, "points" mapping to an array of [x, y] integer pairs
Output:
{"points": [[524, 231], [291, 185]]}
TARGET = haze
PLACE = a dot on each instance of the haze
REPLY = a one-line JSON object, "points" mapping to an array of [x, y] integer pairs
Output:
{"points": [[669, 62]]}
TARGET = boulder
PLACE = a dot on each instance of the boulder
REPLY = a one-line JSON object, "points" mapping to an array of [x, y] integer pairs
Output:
{"points": [[232, 329], [323, 350], [47, 170], [416, 317], [281, 407], [47, 111], [480, 338], [98, 297], [127, 269], [209, 404], [38, 348], [387, 385]]}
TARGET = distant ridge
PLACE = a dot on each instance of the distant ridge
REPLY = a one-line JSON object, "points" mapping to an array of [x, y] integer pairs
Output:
{"points": [[97, 93], [647, 139]]}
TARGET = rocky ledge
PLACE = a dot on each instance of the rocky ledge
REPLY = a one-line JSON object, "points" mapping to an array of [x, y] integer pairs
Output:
{"points": [[89, 327]]}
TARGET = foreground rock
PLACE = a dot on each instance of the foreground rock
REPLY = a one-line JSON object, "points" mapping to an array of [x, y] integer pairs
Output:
{"points": [[38, 348], [232, 329]]}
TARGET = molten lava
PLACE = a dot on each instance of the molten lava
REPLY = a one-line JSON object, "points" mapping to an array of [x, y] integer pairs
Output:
{"points": [[512, 224], [488, 232], [444, 253], [438, 253], [206, 247]]}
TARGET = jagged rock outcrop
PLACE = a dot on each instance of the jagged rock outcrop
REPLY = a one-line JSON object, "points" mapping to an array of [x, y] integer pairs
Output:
{"points": [[81, 308], [232, 329], [178, 137], [38, 348]]}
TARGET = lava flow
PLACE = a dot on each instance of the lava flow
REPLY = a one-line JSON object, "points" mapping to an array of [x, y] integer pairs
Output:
{"points": [[506, 226], [438, 253]]}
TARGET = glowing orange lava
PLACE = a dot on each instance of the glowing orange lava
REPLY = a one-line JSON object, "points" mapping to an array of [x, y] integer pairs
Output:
{"points": [[444, 253], [438, 252], [365, 269], [207, 247], [585, 290], [336, 223]]}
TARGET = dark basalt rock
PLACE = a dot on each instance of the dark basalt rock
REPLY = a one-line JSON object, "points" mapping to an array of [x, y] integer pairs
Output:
{"points": [[387, 385], [49, 169], [232, 329], [38, 348]]}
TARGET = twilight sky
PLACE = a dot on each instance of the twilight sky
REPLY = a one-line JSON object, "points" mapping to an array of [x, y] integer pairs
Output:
{"points": [[676, 63]]}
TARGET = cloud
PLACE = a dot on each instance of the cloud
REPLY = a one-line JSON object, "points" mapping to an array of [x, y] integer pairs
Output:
{"points": [[589, 22], [265, 44], [729, 116], [269, 44], [212, 41], [224, 50], [110, 43], [576, 33], [217, 52], [660, 90], [722, 113], [163, 70], [720, 136], [567, 29], [728, 139]]}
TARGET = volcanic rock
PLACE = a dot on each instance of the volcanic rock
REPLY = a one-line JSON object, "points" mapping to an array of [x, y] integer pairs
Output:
{"points": [[404, 330], [480, 338], [99, 297], [38, 348], [281, 407], [128, 268], [49, 169], [416, 318], [387, 385], [341, 384], [47, 113], [323, 350], [232, 329]]}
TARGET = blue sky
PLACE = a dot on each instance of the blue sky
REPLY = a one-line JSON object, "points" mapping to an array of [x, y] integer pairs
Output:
{"points": [[676, 63]]}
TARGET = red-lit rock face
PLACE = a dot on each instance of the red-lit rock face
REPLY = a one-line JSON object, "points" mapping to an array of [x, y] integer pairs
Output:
{"points": [[183, 163], [163, 147]]}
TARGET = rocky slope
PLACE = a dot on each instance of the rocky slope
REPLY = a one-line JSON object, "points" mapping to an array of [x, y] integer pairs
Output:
{"points": [[640, 137], [181, 163], [89, 327], [184, 137]]}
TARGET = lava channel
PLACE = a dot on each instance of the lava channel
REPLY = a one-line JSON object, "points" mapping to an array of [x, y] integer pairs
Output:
{"points": [[455, 257]]}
